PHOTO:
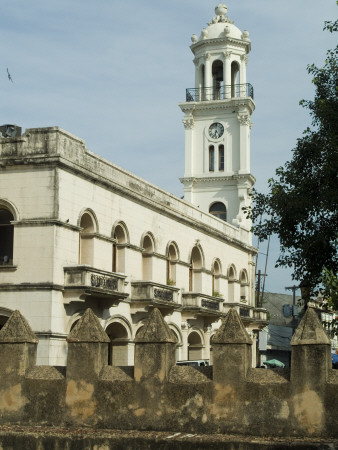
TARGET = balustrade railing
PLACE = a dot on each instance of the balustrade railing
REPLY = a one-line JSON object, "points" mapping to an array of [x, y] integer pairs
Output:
{"points": [[219, 93]]}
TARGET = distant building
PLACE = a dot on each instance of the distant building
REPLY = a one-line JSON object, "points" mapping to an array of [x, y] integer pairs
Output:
{"points": [[76, 231], [275, 338]]}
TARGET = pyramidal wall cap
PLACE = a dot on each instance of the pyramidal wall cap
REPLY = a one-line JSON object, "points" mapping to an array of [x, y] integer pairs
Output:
{"points": [[310, 330], [88, 329], [156, 329], [17, 330], [232, 330]]}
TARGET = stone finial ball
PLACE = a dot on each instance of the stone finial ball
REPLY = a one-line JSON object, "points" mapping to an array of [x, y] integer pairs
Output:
{"points": [[193, 38], [221, 9], [227, 30], [205, 33], [245, 34]]}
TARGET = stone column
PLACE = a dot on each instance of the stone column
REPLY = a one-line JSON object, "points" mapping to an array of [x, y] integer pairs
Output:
{"points": [[311, 353], [155, 348], [231, 351], [87, 349], [18, 346]]}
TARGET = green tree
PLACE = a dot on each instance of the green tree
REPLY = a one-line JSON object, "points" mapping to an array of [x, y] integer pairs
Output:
{"points": [[301, 206]]}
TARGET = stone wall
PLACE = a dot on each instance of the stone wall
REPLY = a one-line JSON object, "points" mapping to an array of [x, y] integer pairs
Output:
{"points": [[155, 394]]}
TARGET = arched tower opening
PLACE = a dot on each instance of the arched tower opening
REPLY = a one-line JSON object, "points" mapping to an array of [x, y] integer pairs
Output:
{"points": [[219, 210], [234, 78], [217, 79]]}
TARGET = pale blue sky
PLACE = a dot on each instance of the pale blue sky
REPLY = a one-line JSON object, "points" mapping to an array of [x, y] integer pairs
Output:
{"points": [[113, 71]]}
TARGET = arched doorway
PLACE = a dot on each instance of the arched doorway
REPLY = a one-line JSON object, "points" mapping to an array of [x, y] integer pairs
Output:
{"points": [[87, 224], [118, 346], [171, 264], [216, 273], [195, 346], [231, 284], [195, 270], [147, 257], [119, 249], [244, 285]]}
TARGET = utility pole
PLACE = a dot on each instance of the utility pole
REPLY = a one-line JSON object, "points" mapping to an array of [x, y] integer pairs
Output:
{"points": [[293, 289], [259, 289]]}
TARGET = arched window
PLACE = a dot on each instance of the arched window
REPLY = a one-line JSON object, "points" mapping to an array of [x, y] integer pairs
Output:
{"points": [[119, 248], [118, 346], [6, 237], [217, 79], [171, 264], [195, 274], [234, 79], [195, 346], [87, 224], [211, 158], [147, 257], [221, 158], [216, 272], [244, 285], [219, 210], [231, 284]]}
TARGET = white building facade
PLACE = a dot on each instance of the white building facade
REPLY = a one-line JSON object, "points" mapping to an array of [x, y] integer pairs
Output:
{"points": [[76, 231]]}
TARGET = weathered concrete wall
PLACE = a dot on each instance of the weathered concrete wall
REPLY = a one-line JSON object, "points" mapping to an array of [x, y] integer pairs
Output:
{"points": [[228, 398]]}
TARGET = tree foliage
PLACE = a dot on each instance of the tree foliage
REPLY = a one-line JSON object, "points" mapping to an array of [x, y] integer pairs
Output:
{"points": [[301, 206]]}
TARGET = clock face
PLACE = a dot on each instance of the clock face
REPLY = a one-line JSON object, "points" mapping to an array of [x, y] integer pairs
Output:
{"points": [[216, 130]]}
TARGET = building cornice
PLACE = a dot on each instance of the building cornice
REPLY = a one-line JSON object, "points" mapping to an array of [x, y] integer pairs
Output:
{"points": [[61, 150], [222, 43], [191, 108]]}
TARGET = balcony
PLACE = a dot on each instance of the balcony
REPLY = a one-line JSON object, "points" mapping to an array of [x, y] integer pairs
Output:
{"points": [[148, 293], [83, 282], [219, 93], [202, 305], [248, 314]]}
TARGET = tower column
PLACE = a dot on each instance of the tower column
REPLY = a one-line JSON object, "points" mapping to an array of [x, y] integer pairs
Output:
{"points": [[242, 75], [188, 122], [208, 77], [227, 74], [198, 81], [244, 121]]}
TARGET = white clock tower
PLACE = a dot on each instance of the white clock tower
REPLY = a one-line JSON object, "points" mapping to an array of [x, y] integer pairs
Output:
{"points": [[217, 124]]}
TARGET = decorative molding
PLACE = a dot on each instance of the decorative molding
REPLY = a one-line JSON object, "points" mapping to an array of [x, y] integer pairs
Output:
{"points": [[244, 119], [227, 55], [188, 123], [206, 56], [244, 58], [45, 223]]}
